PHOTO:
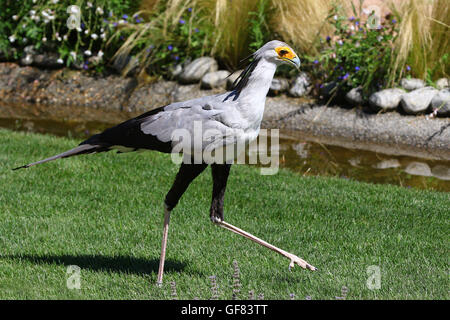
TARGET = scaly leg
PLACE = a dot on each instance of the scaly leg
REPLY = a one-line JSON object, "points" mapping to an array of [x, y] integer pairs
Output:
{"points": [[220, 174], [186, 174]]}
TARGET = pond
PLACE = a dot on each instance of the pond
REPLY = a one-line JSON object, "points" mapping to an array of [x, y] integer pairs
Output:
{"points": [[298, 152]]}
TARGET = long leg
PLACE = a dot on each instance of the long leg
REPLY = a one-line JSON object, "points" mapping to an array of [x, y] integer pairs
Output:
{"points": [[186, 174], [220, 175]]}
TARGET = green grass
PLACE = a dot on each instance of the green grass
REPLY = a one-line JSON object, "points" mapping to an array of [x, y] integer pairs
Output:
{"points": [[104, 213]]}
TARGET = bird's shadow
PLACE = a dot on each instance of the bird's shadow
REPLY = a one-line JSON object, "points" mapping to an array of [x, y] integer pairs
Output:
{"points": [[102, 263]]}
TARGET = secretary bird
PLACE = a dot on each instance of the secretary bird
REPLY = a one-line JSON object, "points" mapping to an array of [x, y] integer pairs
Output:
{"points": [[234, 117]]}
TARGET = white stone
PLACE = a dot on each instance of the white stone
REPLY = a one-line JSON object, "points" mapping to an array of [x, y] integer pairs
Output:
{"points": [[387, 99], [419, 100]]}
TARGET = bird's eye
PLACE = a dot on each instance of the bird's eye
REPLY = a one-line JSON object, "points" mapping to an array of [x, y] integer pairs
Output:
{"points": [[283, 52]]}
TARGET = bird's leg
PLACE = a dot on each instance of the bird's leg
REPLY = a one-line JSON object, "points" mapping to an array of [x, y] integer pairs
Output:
{"points": [[220, 174], [294, 259], [186, 174], [163, 245]]}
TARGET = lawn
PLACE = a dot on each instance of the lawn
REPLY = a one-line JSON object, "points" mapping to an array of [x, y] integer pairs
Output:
{"points": [[104, 213]]}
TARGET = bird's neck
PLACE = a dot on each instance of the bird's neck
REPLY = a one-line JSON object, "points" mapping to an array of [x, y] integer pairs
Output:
{"points": [[259, 82]]}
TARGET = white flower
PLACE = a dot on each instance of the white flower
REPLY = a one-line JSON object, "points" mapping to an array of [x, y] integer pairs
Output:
{"points": [[88, 52], [24, 40], [60, 61], [74, 9], [46, 21], [94, 36], [86, 31], [73, 55], [100, 54], [65, 37], [15, 17], [340, 42], [335, 17], [44, 39], [58, 38], [121, 21], [99, 11], [79, 29], [103, 35], [12, 38], [55, 1], [32, 12], [352, 27], [34, 1], [89, 4], [379, 38]]}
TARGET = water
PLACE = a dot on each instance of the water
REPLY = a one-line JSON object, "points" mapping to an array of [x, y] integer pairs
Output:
{"points": [[298, 152]]}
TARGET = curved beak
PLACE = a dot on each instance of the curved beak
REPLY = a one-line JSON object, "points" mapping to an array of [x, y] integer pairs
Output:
{"points": [[295, 61]]}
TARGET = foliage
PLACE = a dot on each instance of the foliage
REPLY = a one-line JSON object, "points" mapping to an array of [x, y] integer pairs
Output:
{"points": [[43, 25], [422, 47], [357, 54]]}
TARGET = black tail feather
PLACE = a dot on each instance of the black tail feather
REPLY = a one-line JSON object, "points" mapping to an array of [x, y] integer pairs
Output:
{"points": [[81, 149]]}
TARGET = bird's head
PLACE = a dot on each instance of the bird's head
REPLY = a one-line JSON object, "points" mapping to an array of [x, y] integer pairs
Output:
{"points": [[278, 52]]}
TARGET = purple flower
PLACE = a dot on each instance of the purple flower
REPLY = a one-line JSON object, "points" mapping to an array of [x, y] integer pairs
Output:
{"points": [[176, 58], [196, 30], [351, 18], [394, 21], [82, 25], [110, 13], [328, 38], [182, 21], [85, 65], [138, 20], [356, 23], [357, 68], [345, 77], [408, 68], [125, 17], [115, 24], [190, 9], [316, 61], [170, 47]]}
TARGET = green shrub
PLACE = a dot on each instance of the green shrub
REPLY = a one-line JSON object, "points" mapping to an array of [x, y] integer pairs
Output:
{"points": [[357, 54], [43, 25]]}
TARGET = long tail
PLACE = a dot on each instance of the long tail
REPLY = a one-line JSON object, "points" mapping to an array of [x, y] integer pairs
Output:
{"points": [[81, 149]]}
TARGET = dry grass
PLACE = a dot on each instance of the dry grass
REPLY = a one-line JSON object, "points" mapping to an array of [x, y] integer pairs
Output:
{"points": [[299, 22], [423, 38]]}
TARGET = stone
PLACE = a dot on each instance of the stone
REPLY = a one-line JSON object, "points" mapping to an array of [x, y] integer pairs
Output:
{"points": [[176, 71], [278, 85], [47, 60], [418, 169], [386, 100], [412, 84], [232, 78], [355, 96], [419, 100], [443, 83], [214, 79], [195, 70], [328, 89], [387, 164], [441, 102], [300, 86], [441, 172]]}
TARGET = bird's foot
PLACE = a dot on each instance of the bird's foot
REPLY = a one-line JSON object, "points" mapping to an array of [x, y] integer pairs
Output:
{"points": [[298, 261]]}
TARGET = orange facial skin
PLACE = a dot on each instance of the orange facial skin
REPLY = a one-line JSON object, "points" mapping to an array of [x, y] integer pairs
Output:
{"points": [[285, 53]]}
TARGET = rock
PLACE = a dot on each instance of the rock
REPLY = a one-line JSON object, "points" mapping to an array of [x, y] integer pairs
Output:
{"points": [[419, 100], [232, 78], [412, 84], [387, 99], [300, 86], [387, 164], [278, 85], [441, 172], [328, 88], [418, 169], [355, 96], [47, 60], [176, 71], [443, 83], [441, 102], [214, 79], [195, 70]]}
